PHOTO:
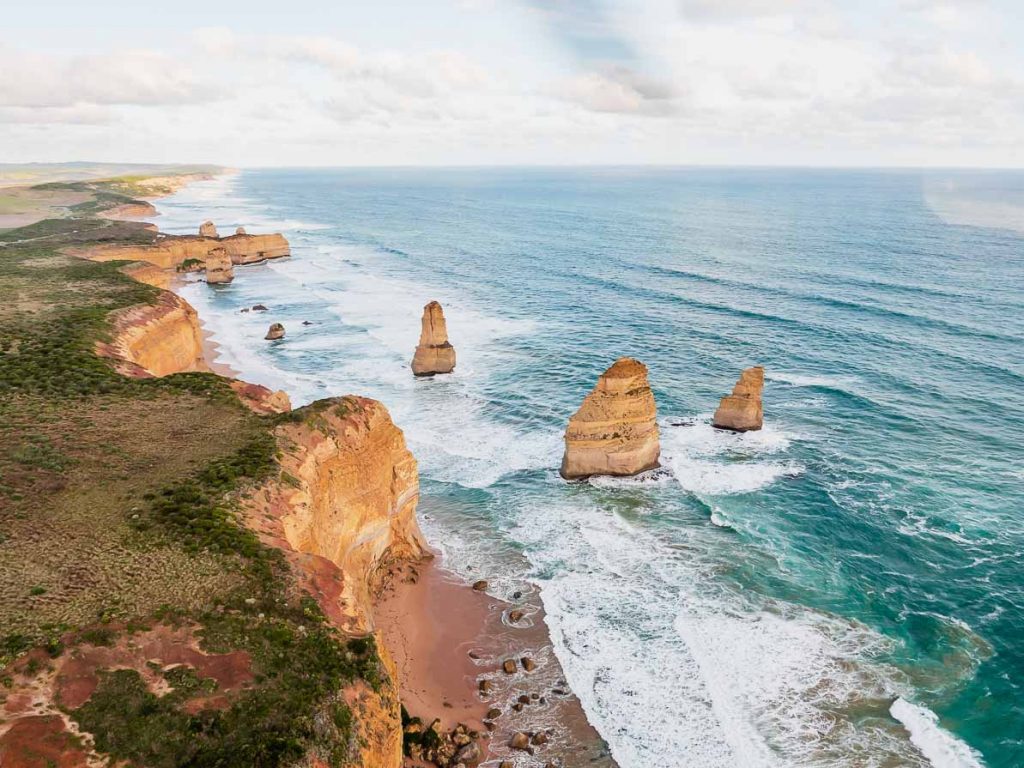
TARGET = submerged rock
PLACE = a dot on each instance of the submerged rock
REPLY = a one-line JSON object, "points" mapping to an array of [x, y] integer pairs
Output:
{"points": [[208, 229], [434, 354], [615, 431], [275, 332], [219, 268], [742, 411]]}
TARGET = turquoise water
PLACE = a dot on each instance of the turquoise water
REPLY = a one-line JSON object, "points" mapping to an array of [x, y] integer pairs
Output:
{"points": [[818, 593]]}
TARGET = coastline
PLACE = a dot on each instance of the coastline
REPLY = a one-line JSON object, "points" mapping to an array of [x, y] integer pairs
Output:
{"points": [[445, 638]]}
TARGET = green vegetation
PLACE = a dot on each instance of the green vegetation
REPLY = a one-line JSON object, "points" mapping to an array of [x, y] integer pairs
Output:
{"points": [[118, 513]]}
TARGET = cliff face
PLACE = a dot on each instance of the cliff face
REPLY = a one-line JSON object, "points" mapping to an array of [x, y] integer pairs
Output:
{"points": [[615, 431], [170, 251], [250, 249], [355, 500], [434, 354], [147, 273], [343, 510], [742, 411], [155, 339]]}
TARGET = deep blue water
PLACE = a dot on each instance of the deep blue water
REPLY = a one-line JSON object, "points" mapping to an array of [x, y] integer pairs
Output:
{"points": [[813, 594]]}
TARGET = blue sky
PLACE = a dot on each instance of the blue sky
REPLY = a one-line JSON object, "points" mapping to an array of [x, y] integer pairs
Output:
{"points": [[310, 82]]}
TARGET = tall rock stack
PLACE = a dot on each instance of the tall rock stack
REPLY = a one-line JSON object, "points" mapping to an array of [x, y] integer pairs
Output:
{"points": [[615, 431], [434, 353], [219, 268], [207, 229], [742, 411]]}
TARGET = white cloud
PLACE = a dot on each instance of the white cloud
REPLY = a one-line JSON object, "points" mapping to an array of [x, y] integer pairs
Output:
{"points": [[123, 78]]}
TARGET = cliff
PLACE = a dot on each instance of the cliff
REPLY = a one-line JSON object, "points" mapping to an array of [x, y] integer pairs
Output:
{"points": [[344, 510], [155, 339], [742, 411], [615, 431], [434, 354], [172, 251]]}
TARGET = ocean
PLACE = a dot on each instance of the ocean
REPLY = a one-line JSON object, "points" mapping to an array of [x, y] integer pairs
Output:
{"points": [[843, 588]]}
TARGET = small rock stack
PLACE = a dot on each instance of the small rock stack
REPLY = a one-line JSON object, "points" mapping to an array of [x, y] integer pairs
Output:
{"points": [[742, 411], [615, 431], [434, 354], [219, 268], [208, 229]]}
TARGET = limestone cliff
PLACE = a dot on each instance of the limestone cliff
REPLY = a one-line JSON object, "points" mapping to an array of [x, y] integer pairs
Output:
{"points": [[155, 339], [742, 411], [252, 249], [615, 431], [172, 251], [147, 273], [435, 354], [344, 510]]}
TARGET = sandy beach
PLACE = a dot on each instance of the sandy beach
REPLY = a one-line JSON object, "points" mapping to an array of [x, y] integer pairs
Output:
{"points": [[447, 637]]}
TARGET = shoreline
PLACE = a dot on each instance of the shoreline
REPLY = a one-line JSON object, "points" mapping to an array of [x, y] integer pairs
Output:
{"points": [[445, 638]]}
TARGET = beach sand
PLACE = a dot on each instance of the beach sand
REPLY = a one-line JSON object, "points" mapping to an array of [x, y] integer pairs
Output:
{"points": [[445, 637]]}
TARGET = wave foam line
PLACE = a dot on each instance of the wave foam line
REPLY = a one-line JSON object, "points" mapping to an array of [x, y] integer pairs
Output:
{"points": [[942, 748]]}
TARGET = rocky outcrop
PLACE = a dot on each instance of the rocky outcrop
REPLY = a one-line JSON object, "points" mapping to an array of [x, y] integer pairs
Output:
{"points": [[434, 354], [742, 411], [219, 268], [155, 339], [275, 332], [615, 431], [260, 399], [207, 229], [252, 249]]}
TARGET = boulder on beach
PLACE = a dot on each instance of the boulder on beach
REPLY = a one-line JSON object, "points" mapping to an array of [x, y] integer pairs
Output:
{"points": [[219, 268], [742, 411], [275, 332], [208, 229], [434, 354], [615, 430]]}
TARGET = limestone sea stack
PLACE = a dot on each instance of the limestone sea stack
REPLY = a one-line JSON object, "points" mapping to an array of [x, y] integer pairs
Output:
{"points": [[240, 231], [275, 332], [219, 268], [207, 229], [434, 353], [615, 431], [742, 410]]}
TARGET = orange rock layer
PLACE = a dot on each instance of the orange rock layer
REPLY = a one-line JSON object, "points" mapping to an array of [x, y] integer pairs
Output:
{"points": [[615, 431]]}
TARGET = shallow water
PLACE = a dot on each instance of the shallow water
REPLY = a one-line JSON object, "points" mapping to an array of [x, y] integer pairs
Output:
{"points": [[844, 588]]}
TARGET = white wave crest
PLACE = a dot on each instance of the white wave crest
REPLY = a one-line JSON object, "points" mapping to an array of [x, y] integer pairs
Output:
{"points": [[942, 748]]}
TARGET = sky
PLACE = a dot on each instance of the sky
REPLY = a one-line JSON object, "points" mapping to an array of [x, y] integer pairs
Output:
{"points": [[901, 83]]}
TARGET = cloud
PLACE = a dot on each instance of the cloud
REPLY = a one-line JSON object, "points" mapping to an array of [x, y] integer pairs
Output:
{"points": [[621, 90], [140, 78]]}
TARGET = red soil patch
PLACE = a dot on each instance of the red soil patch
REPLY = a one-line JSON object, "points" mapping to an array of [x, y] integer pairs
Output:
{"points": [[40, 742], [164, 646]]}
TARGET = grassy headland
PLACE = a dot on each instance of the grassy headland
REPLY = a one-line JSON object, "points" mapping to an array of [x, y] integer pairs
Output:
{"points": [[118, 528]]}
